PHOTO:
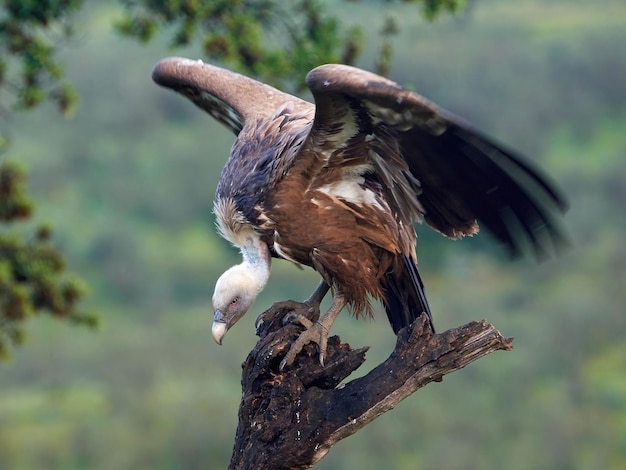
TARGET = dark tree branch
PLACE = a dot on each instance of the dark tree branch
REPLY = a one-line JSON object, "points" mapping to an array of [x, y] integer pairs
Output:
{"points": [[291, 419]]}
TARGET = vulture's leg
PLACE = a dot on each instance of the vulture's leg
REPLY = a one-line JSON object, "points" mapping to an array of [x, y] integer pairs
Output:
{"points": [[309, 309], [315, 332], [318, 294]]}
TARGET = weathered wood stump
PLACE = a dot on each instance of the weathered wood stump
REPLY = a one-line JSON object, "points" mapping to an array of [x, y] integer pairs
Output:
{"points": [[291, 419]]}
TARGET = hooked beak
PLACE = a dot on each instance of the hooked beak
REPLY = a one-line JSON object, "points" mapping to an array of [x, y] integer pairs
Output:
{"points": [[219, 328]]}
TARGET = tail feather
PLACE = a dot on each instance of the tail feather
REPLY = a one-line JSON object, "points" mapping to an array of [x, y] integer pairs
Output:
{"points": [[405, 297]]}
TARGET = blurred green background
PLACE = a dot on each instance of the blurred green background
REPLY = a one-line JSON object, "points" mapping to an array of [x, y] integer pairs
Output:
{"points": [[128, 183]]}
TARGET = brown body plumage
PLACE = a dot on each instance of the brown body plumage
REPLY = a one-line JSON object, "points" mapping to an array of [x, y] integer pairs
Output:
{"points": [[337, 186]]}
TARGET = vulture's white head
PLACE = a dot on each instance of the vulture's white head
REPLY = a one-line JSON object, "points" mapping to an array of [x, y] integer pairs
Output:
{"points": [[237, 289], [235, 292]]}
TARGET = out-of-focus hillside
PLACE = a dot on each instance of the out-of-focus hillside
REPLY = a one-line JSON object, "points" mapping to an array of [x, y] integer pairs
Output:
{"points": [[128, 184]]}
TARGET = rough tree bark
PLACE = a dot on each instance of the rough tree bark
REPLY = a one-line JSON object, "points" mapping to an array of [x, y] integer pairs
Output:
{"points": [[291, 419]]}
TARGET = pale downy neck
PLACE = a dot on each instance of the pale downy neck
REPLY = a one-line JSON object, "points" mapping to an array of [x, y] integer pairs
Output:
{"points": [[256, 260]]}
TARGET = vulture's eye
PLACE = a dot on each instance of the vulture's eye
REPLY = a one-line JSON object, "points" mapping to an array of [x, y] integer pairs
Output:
{"points": [[234, 302]]}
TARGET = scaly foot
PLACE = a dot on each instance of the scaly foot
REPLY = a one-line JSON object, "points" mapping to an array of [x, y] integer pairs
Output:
{"points": [[316, 332]]}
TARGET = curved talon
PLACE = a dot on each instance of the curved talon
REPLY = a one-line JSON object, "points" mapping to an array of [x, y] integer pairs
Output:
{"points": [[315, 333], [260, 318]]}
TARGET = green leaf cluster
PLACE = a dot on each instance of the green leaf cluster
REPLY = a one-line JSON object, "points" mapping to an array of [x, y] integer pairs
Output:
{"points": [[276, 41], [32, 276], [30, 33]]}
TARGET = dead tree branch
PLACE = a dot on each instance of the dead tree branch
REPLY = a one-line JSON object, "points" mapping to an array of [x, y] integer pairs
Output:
{"points": [[291, 419]]}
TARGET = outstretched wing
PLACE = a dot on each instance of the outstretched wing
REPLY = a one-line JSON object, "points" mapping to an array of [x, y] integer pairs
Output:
{"points": [[420, 152], [229, 97]]}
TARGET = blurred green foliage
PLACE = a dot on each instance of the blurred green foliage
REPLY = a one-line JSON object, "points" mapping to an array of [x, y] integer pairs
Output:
{"points": [[129, 184], [31, 270], [278, 42], [32, 278], [30, 34]]}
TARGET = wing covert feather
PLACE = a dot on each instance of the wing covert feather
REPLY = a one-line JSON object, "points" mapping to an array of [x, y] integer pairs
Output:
{"points": [[229, 97]]}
